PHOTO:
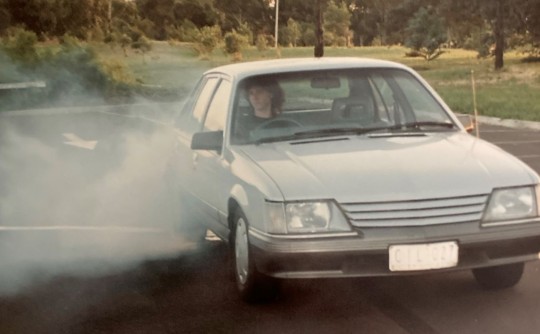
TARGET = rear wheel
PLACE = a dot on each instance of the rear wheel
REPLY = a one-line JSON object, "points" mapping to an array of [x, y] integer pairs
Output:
{"points": [[499, 277], [252, 285]]}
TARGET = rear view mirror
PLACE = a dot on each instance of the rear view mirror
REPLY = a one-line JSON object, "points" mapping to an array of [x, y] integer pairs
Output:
{"points": [[325, 82], [210, 141]]}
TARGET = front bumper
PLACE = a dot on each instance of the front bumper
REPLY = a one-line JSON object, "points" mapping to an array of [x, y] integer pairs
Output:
{"points": [[365, 252]]}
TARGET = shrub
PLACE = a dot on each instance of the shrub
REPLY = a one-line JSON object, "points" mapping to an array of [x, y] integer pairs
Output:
{"points": [[73, 74], [20, 46], [261, 43], [208, 40], [188, 32], [235, 43], [143, 44], [308, 36]]}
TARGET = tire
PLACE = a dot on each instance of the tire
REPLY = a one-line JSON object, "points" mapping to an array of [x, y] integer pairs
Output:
{"points": [[253, 286], [499, 277]]}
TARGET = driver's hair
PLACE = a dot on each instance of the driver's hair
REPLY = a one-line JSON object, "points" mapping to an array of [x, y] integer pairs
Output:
{"points": [[271, 85]]}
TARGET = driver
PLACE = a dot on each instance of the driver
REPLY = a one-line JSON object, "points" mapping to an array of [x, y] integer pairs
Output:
{"points": [[266, 99]]}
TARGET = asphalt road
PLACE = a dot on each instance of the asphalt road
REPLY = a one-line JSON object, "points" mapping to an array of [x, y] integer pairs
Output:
{"points": [[194, 293]]}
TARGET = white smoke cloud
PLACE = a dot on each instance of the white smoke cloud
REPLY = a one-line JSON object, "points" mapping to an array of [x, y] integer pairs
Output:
{"points": [[70, 210]]}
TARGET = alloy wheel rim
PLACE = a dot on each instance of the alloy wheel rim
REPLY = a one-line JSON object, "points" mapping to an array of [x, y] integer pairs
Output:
{"points": [[241, 251]]}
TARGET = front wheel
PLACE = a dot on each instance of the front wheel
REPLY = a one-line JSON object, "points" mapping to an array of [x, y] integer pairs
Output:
{"points": [[252, 285], [499, 277]]}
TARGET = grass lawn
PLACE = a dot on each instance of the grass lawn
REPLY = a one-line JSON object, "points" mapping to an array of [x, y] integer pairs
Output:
{"points": [[510, 93]]}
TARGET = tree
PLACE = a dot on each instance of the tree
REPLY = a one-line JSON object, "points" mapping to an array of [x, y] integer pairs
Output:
{"points": [[200, 12], [463, 20], [5, 16], [257, 14], [374, 20], [528, 26], [337, 20], [497, 13], [160, 12], [426, 33], [292, 32]]}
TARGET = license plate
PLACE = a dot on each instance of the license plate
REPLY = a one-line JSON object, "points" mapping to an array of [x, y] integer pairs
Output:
{"points": [[423, 256]]}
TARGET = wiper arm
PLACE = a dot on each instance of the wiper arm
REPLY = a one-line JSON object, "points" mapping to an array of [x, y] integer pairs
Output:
{"points": [[328, 132], [339, 131], [418, 125]]}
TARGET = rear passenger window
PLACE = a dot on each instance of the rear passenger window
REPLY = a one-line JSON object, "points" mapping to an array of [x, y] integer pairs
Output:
{"points": [[192, 121]]}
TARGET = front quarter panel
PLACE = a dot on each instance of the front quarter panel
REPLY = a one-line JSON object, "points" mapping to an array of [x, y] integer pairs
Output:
{"points": [[249, 187]]}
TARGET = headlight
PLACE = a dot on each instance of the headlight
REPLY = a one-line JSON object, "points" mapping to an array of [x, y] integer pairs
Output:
{"points": [[512, 203], [305, 217]]}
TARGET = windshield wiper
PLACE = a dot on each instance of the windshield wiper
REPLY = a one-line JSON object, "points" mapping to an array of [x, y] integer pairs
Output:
{"points": [[339, 131], [419, 125], [321, 133], [328, 132]]}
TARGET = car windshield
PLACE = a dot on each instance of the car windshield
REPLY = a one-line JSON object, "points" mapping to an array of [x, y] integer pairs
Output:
{"points": [[325, 103]]}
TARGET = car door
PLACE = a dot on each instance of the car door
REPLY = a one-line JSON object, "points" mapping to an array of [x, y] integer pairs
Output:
{"points": [[211, 169], [183, 161]]}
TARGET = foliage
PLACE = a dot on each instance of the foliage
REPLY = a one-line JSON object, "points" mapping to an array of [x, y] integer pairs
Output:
{"points": [[480, 40], [188, 32], [208, 40], [426, 33], [292, 33], [336, 23], [513, 23], [20, 45], [235, 43], [261, 42], [71, 71]]}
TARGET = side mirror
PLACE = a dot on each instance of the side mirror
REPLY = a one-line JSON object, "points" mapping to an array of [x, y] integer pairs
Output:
{"points": [[211, 141], [467, 121]]}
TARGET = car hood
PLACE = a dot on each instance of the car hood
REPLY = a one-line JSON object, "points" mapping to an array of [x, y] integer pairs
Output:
{"points": [[389, 167]]}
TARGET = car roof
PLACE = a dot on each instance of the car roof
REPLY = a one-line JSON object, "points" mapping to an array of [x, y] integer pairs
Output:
{"points": [[284, 65]]}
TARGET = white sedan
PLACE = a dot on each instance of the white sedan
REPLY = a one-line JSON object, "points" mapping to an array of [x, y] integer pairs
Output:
{"points": [[340, 167]]}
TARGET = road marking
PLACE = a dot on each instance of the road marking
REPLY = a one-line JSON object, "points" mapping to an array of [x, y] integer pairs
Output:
{"points": [[22, 85], [517, 142], [530, 156], [77, 141]]}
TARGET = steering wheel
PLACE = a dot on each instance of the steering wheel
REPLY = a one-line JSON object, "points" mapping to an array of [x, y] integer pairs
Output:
{"points": [[278, 123]]}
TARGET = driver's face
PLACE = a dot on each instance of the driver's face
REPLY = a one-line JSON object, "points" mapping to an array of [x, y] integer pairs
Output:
{"points": [[261, 100]]}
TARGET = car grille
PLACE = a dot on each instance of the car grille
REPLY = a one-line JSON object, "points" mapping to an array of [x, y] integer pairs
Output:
{"points": [[416, 212]]}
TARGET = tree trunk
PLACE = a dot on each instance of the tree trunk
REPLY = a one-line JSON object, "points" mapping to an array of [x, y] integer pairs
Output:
{"points": [[109, 17], [499, 35], [319, 33]]}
